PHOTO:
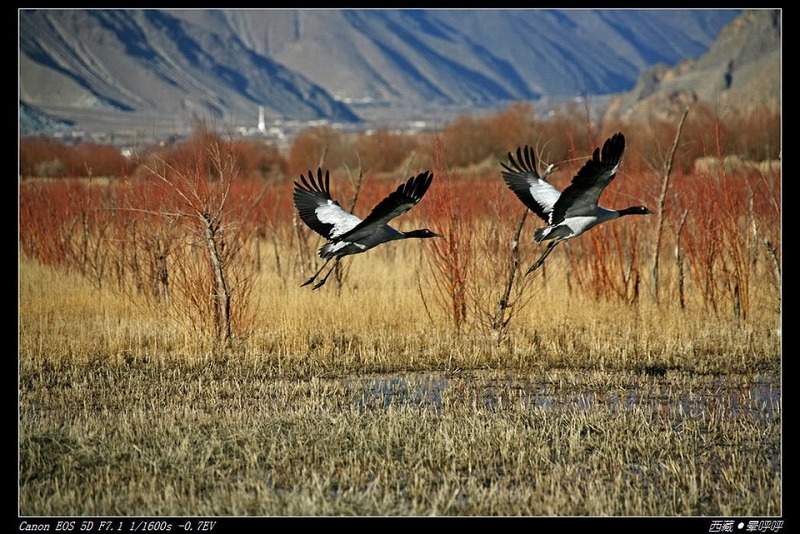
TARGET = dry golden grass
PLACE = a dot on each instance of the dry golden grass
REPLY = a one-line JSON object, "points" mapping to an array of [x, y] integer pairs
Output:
{"points": [[365, 401], [381, 397]]}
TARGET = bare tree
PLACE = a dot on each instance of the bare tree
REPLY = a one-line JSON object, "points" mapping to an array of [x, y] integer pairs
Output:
{"points": [[196, 197], [662, 201]]}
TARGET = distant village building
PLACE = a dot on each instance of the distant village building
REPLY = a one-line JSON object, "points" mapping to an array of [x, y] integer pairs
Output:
{"points": [[262, 124]]}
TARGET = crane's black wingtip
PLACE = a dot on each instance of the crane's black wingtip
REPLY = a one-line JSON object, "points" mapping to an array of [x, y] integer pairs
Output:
{"points": [[417, 186], [617, 141], [428, 177], [524, 162], [612, 149], [313, 184], [425, 177]]}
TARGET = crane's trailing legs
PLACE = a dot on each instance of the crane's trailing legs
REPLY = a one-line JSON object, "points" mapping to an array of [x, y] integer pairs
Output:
{"points": [[546, 253], [321, 283]]}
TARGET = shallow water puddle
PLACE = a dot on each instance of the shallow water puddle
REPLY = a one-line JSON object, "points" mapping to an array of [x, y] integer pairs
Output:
{"points": [[761, 397]]}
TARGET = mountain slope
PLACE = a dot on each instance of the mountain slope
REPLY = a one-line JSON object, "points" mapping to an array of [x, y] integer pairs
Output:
{"points": [[106, 69], [742, 69], [154, 62], [462, 56]]}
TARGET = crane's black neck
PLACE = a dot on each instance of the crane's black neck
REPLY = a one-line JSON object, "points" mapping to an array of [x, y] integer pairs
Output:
{"points": [[634, 210], [421, 234]]}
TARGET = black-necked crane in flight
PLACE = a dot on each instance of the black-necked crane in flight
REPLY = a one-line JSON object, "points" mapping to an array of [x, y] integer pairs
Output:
{"points": [[575, 210], [346, 233]]}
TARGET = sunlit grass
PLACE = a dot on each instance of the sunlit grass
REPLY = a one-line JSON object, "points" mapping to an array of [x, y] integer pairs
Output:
{"points": [[363, 400], [612, 390], [384, 319], [220, 440]]}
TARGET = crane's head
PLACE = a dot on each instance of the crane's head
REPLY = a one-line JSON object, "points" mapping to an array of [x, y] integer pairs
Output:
{"points": [[635, 210], [422, 234]]}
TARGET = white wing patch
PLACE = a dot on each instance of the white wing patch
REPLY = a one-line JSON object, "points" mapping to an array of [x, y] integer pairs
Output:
{"points": [[333, 214], [544, 193]]}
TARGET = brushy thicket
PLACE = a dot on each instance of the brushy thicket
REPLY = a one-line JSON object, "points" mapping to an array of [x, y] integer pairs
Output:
{"points": [[637, 372], [176, 224]]}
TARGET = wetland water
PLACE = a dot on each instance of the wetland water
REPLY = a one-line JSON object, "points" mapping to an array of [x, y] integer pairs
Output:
{"points": [[758, 396]]}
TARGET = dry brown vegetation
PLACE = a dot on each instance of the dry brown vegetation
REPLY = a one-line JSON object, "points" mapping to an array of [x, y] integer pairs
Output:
{"points": [[427, 378]]}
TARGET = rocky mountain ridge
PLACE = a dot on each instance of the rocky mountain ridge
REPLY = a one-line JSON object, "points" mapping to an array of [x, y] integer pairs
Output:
{"points": [[161, 70], [741, 71]]}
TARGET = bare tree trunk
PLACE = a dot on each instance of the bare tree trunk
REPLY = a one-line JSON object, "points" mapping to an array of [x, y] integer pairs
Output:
{"points": [[500, 322], [776, 264], [679, 261], [662, 200], [222, 298], [276, 251]]}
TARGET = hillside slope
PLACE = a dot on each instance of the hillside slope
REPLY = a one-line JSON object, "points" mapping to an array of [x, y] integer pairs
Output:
{"points": [[741, 71], [165, 69]]}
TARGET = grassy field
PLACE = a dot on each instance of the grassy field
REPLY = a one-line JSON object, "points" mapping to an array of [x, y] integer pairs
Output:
{"points": [[364, 400], [170, 364]]}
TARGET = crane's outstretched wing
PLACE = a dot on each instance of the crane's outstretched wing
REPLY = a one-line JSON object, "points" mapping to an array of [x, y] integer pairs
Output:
{"points": [[397, 203], [317, 208], [534, 191], [583, 194]]}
